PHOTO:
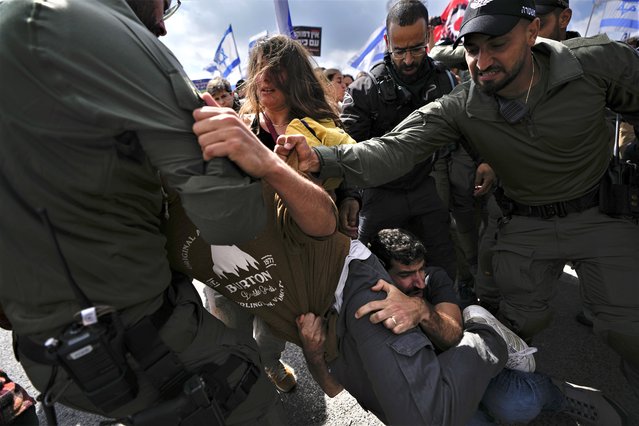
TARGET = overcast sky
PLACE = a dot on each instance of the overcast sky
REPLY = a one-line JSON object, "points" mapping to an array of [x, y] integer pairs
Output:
{"points": [[197, 28]]}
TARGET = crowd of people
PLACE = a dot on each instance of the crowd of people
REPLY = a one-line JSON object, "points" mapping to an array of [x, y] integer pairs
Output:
{"points": [[405, 228]]}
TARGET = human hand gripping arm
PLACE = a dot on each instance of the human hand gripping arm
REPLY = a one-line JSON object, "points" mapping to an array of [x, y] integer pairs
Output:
{"points": [[349, 216], [222, 133], [307, 159], [379, 160], [313, 336], [484, 179], [399, 313]]}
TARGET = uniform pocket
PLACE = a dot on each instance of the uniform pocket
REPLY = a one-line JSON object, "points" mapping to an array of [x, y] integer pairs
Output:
{"points": [[414, 372], [513, 265], [518, 273], [409, 344]]}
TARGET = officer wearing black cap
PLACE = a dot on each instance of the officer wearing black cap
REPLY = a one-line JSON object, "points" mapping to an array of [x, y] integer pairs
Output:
{"points": [[494, 18], [555, 16], [544, 7], [534, 110]]}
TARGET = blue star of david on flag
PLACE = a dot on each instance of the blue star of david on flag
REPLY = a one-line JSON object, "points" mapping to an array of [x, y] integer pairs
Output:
{"points": [[226, 57]]}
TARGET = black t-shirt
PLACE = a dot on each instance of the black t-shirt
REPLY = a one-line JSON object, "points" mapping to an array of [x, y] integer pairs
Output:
{"points": [[262, 134], [439, 287]]}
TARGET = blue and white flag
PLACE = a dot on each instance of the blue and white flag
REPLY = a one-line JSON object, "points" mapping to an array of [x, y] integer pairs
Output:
{"points": [[372, 52], [254, 38], [283, 18], [226, 56], [621, 16]]}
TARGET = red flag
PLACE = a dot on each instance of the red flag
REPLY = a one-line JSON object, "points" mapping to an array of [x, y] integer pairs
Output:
{"points": [[452, 18]]}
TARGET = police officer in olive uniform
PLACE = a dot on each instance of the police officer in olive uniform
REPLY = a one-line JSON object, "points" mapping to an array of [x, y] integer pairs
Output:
{"points": [[93, 105], [535, 111], [554, 17]]}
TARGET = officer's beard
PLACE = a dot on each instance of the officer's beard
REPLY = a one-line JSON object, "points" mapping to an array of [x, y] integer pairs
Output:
{"points": [[414, 77], [492, 87], [399, 75]]}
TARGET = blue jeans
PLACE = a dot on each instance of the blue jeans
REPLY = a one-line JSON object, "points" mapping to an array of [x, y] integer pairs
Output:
{"points": [[517, 397]]}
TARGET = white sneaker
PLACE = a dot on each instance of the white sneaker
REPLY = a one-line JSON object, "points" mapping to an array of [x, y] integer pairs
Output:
{"points": [[520, 356]]}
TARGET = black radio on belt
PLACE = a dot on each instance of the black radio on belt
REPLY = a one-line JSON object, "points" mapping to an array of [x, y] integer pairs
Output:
{"points": [[91, 350], [93, 356]]}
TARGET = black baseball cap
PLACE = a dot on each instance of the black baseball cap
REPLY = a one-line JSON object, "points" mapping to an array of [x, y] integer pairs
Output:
{"points": [[543, 7], [494, 17]]}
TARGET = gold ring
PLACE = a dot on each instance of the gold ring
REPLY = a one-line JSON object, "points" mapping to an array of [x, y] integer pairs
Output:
{"points": [[394, 320]]}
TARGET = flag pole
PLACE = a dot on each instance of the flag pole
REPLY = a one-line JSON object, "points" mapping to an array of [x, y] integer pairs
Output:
{"points": [[283, 18], [594, 4], [237, 52]]}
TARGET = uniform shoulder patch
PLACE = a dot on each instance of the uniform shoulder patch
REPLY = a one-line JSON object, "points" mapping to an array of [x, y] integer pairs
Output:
{"points": [[597, 40]]}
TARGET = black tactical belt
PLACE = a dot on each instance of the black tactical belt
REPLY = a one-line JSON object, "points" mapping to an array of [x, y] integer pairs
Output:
{"points": [[560, 209], [37, 352]]}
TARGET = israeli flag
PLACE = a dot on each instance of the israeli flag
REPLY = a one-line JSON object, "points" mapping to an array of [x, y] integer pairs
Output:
{"points": [[283, 18], [226, 56], [372, 53], [621, 16], [253, 40]]}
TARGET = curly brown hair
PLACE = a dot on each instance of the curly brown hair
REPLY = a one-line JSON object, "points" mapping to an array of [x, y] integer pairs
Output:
{"points": [[397, 244]]}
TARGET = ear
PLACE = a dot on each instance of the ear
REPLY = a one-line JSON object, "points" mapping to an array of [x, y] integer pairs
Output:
{"points": [[564, 18], [387, 42], [532, 32]]}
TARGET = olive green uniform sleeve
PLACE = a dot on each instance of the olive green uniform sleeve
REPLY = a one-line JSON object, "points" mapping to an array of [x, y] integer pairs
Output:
{"points": [[78, 75], [558, 151], [122, 78], [379, 160], [616, 66]]}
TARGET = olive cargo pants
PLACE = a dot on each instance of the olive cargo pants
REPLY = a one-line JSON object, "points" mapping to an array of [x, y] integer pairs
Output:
{"points": [[530, 255]]}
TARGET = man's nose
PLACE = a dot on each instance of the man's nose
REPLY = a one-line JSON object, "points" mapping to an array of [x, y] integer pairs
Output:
{"points": [[418, 280], [484, 60], [160, 29], [409, 59]]}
